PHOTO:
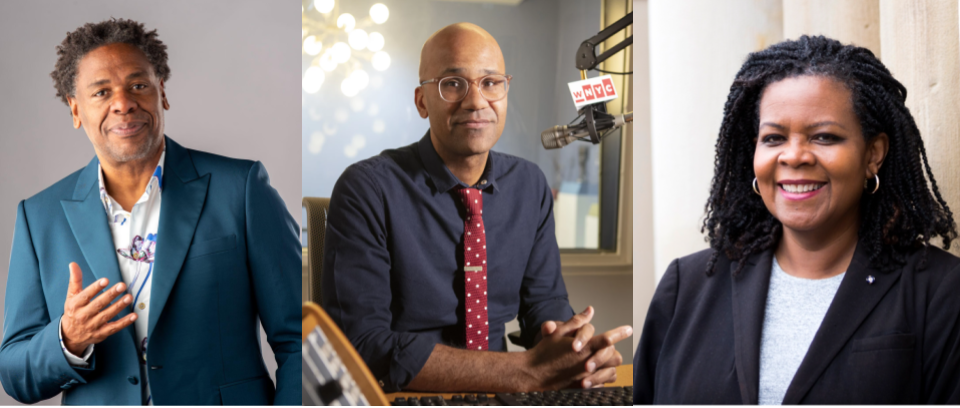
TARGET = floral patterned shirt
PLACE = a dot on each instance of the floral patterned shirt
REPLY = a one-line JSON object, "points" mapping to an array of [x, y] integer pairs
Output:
{"points": [[135, 238]]}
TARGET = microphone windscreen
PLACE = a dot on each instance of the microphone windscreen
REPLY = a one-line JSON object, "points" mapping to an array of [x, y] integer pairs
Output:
{"points": [[552, 138]]}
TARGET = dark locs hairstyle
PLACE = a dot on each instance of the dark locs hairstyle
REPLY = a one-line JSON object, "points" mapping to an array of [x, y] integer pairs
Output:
{"points": [[902, 216], [93, 35]]}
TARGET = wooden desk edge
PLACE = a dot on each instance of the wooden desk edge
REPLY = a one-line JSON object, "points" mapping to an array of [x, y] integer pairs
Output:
{"points": [[624, 379]]}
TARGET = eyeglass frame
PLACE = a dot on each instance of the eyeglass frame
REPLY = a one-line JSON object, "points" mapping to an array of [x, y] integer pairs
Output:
{"points": [[470, 82]]}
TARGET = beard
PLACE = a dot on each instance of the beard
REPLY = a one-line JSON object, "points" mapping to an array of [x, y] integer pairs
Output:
{"points": [[120, 154]]}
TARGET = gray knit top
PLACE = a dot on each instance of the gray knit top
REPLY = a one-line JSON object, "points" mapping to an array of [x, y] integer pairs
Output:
{"points": [[795, 308]]}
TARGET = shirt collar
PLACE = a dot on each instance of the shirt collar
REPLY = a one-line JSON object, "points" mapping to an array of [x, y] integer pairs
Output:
{"points": [[443, 179], [156, 181]]}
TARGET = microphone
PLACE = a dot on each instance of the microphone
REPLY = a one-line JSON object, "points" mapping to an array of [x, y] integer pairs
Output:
{"points": [[559, 136]]}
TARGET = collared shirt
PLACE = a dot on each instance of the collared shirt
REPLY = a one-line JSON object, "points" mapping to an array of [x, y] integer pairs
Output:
{"points": [[135, 238], [393, 275]]}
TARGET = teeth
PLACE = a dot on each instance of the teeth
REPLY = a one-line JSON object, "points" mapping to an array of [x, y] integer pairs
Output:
{"points": [[800, 188]]}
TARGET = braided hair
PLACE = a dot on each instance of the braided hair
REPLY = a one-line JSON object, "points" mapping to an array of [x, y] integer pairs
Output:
{"points": [[900, 218]]}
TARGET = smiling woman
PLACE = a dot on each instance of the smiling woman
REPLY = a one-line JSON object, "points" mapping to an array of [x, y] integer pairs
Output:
{"points": [[821, 285]]}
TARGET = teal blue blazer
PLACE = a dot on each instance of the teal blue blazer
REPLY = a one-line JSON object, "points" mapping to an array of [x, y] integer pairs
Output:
{"points": [[228, 253]]}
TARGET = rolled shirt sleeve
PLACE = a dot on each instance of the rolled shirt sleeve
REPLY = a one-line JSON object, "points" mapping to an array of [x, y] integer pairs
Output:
{"points": [[543, 294], [393, 262], [356, 289]]}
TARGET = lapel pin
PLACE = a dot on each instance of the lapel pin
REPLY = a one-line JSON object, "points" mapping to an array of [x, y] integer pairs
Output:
{"points": [[870, 279]]}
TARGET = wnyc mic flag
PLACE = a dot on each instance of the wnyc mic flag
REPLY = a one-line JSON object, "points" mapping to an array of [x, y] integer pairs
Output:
{"points": [[592, 90]]}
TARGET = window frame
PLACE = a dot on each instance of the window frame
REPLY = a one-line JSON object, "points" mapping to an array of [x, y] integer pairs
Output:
{"points": [[618, 260]]}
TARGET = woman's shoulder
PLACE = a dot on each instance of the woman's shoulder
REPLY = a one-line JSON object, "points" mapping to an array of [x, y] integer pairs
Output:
{"points": [[931, 265], [696, 261], [691, 270], [937, 257]]}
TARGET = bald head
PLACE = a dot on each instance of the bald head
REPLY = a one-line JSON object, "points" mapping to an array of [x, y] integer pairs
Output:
{"points": [[449, 49], [462, 129]]}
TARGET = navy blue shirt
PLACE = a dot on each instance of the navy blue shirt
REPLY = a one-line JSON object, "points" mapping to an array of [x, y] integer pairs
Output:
{"points": [[393, 275]]}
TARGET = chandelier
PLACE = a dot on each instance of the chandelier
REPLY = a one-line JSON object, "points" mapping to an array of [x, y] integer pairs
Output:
{"points": [[341, 46]]}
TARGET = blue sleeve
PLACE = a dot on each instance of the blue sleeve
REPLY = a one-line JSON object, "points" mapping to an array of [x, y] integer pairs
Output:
{"points": [[543, 296], [274, 259], [356, 282], [32, 365]]}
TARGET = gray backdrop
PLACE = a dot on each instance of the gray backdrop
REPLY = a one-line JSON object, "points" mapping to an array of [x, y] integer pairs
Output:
{"points": [[232, 91]]}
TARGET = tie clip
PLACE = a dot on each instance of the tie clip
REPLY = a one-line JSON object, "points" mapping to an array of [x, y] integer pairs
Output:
{"points": [[473, 269]]}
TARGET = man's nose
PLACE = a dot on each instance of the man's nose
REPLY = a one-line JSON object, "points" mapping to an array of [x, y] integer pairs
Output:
{"points": [[123, 102], [474, 100]]}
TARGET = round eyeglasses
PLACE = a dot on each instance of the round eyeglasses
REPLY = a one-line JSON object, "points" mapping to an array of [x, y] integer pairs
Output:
{"points": [[454, 89]]}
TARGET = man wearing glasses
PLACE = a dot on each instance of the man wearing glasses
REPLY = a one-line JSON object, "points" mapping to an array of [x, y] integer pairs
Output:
{"points": [[431, 248]]}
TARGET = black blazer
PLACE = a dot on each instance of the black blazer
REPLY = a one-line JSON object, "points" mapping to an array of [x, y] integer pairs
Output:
{"points": [[896, 340]]}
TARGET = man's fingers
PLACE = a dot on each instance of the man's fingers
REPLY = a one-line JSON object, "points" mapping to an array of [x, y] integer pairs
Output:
{"points": [[77, 302], [548, 327], [89, 292], [603, 376], [578, 320], [102, 301], [610, 338], [110, 328], [582, 336], [604, 358], [114, 309], [76, 279]]}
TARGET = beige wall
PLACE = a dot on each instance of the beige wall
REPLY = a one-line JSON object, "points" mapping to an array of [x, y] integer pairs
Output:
{"points": [[696, 48], [919, 40], [848, 21], [643, 269]]}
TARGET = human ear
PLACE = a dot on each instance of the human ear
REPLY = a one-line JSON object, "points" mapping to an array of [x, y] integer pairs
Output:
{"points": [[418, 100], [876, 151], [163, 97], [74, 111]]}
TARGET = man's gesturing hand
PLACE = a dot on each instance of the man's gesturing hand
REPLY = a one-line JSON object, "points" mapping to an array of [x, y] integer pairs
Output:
{"points": [[87, 321]]}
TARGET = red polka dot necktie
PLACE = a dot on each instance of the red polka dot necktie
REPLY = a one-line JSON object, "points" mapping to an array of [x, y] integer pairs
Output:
{"points": [[475, 270]]}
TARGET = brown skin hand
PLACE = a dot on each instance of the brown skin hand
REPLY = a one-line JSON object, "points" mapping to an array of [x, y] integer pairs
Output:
{"points": [[119, 102], [568, 356], [810, 135], [462, 132], [86, 315]]}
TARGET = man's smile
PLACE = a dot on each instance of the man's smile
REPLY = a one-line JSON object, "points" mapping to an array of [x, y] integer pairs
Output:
{"points": [[127, 128], [474, 124]]}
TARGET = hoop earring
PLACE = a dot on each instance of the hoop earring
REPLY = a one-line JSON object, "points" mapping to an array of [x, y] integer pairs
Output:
{"points": [[756, 188], [876, 187]]}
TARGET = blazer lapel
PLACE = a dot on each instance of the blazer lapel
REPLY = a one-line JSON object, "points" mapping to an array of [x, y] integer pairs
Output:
{"points": [[749, 302], [854, 300], [88, 221], [183, 195]]}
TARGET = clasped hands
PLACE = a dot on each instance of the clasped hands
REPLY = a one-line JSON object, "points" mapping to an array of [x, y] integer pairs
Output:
{"points": [[86, 320], [571, 356]]}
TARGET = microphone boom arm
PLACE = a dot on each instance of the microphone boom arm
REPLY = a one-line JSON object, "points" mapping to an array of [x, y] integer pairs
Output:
{"points": [[587, 57]]}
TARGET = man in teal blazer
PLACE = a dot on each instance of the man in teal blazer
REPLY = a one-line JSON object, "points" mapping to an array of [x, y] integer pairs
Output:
{"points": [[214, 253]]}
